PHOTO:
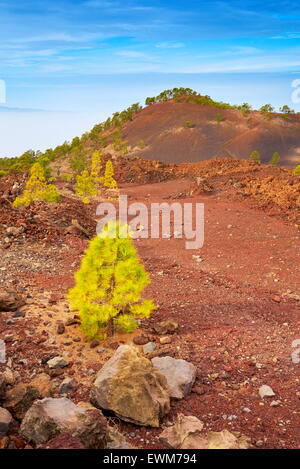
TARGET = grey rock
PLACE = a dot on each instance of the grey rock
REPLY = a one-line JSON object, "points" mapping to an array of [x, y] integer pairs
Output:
{"points": [[68, 385], [57, 362], [180, 375], [266, 391], [149, 348]]}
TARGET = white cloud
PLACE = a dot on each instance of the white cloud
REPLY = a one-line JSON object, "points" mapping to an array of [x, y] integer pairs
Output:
{"points": [[170, 45], [131, 54]]}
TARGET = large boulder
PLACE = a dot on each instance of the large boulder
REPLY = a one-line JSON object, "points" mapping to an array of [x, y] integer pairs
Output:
{"points": [[50, 417], [180, 375], [10, 301], [132, 388]]}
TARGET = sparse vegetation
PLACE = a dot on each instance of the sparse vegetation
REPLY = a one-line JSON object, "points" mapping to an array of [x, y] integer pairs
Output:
{"points": [[297, 169], [275, 159], [109, 180], [219, 118], [85, 187], [141, 144], [188, 125], [286, 110], [109, 284], [255, 156], [37, 188]]}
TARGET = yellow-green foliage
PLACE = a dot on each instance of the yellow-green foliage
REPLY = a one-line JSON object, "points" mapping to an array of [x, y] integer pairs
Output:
{"points": [[109, 180], [3, 173], [275, 159], [96, 167], [37, 188], [109, 283], [85, 187], [255, 156], [297, 169], [67, 177]]}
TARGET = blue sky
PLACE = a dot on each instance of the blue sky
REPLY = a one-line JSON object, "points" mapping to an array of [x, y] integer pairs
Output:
{"points": [[81, 60]]}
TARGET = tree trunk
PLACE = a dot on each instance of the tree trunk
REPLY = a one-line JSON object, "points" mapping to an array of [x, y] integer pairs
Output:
{"points": [[110, 327]]}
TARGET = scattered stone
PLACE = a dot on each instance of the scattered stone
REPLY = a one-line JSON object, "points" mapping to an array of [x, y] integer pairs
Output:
{"points": [[266, 391], [149, 347], [18, 314], [57, 362], [275, 404], [165, 327], [60, 328], [19, 399], [180, 375], [50, 417], [68, 385], [101, 350], [165, 340], [42, 383], [132, 388], [94, 343], [71, 322], [141, 340], [10, 301], [5, 421]]}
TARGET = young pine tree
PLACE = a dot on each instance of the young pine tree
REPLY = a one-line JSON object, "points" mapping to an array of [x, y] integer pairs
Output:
{"points": [[37, 188], [109, 180], [96, 167], [255, 156], [85, 187], [109, 283], [275, 159]]}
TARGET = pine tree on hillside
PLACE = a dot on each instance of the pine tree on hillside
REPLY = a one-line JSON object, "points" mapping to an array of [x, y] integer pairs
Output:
{"points": [[255, 156], [275, 159], [96, 167], [109, 284], [109, 180], [37, 188], [85, 187]]}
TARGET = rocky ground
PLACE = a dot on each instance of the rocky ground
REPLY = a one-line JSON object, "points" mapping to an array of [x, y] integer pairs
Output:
{"points": [[236, 303]]}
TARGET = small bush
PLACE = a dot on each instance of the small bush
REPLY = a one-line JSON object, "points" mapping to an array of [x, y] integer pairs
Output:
{"points": [[255, 156], [297, 169], [188, 125], [37, 188]]}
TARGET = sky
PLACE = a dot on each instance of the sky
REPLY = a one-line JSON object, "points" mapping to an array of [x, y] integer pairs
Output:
{"points": [[67, 65]]}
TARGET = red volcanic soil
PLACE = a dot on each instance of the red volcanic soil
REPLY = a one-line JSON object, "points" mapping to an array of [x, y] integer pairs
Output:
{"points": [[161, 126], [237, 305]]}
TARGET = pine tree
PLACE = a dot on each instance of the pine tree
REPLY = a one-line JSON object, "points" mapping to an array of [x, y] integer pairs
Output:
{"points": [[275, 159], [85, 187], [255, 156], [109, 283], [96, 167], [37, 188], [109, 180]]}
